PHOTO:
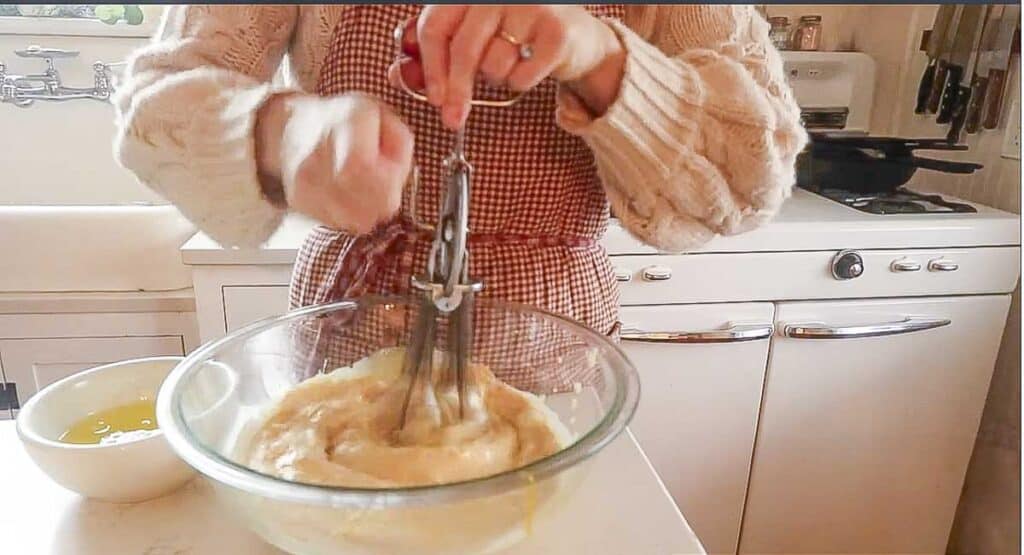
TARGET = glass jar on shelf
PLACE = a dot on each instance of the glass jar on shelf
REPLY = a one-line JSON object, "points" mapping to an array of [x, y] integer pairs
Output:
{"points": [[780, 32], [807, 35]]}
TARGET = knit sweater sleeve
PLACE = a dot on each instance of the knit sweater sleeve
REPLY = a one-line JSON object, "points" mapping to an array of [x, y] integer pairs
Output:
{"points": [[186, 111], [703, 136]]}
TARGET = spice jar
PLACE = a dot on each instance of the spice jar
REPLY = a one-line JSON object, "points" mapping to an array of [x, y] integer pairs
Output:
{"points": [[780, 32], [808, 33]]}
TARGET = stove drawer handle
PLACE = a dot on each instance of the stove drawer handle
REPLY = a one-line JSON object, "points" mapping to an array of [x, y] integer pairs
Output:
{"points": [[733, 334], [940, 265], [823, 331], [904, 265], [656, 273]]}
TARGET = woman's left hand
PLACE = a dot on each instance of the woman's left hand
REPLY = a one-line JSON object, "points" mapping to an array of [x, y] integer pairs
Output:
{"points": [[517, 46]]}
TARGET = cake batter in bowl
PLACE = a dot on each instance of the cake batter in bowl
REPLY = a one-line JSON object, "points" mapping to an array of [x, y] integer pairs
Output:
{"points": [[307, 456]]}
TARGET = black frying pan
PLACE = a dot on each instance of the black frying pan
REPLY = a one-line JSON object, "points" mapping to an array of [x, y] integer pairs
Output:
{"points": [[871, 164]]}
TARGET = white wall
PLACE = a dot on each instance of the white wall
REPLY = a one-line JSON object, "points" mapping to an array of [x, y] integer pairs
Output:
{"points": [[60, 153]]}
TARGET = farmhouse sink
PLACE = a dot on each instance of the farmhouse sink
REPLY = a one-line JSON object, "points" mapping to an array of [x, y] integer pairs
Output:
{"points": [[92, 248]]}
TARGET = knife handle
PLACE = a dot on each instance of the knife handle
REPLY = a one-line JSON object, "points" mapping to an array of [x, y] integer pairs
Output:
{"points": [[958, 115], [938, 82], [950, 93], [994, 99], [978, 88], [925, 88]]}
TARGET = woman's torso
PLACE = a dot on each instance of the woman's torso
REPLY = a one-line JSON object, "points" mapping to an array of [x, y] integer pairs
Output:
{"points": [[537, 208]]}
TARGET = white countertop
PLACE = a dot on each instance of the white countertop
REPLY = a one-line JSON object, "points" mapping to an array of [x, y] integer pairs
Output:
{"points": [[807, 222], [621, 508]]}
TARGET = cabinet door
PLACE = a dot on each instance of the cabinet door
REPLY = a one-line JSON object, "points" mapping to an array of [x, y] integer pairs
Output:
{"points": [[32, 364], [864, 441], [245, 304], [700, 390]]}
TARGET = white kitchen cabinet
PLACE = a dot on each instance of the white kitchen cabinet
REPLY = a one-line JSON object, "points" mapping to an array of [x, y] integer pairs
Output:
{"points": [[44, 338], [32, 364], [701, 373], [863, 441], [247, 304], [232, 295]]}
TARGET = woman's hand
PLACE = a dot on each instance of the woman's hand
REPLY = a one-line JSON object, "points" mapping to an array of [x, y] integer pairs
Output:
{"points": [[342, 161], [458, 42]]}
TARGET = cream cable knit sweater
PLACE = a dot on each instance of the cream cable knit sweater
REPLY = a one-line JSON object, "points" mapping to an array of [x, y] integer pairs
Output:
{"points": [[701, 140]]}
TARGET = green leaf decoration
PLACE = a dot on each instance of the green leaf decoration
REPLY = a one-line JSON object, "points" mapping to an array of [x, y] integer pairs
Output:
{"points": [[133, 14], [110, 13]]}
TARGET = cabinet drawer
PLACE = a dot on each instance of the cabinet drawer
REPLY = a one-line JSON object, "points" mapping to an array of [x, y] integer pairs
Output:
{"points": [[768, 276], [245, 304], [701, 389], [868, 422]]}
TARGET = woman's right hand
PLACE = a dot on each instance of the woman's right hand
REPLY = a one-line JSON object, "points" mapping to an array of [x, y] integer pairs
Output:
{"points": [[342, 160]]}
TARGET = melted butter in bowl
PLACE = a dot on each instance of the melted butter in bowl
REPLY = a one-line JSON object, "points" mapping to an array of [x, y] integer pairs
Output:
{"points": [[119, 424], [99, 424]]}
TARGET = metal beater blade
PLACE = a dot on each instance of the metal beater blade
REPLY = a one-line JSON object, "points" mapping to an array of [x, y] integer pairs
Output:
{"points": [[447, 291]]}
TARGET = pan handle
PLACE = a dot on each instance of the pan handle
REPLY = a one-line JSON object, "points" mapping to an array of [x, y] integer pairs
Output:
{"points": [[888, 144], [934, 144], [946, 166]]}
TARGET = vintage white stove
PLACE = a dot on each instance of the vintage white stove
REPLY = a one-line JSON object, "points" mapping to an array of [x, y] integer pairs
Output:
{"points": [[816, 386]]}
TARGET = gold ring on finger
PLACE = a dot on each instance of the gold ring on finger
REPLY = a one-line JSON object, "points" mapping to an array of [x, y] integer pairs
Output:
{"points": [[525, 50]]}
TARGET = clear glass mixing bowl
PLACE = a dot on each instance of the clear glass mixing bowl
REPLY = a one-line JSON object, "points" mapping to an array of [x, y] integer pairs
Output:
{"points": [[213, 401]]}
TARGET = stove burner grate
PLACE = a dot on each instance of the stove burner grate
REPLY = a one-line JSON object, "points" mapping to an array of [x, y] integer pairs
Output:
{"points": [[901, 201]]}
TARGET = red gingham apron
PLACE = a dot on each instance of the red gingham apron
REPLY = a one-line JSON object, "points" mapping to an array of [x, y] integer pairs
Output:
{"points": [[537, 207]]}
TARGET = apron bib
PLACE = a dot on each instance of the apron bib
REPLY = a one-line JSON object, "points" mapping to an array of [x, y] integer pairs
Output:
{"points": [[537, 207]]}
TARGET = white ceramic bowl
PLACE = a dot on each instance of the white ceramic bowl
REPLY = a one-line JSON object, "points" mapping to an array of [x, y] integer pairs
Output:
{"points": [[127, 472]]}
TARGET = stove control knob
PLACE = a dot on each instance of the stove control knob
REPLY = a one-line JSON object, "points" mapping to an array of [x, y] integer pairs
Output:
{"points": [[847, 265]]}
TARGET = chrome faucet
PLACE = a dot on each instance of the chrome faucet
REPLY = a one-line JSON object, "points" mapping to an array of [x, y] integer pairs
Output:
{"points": [[23, 90]]}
